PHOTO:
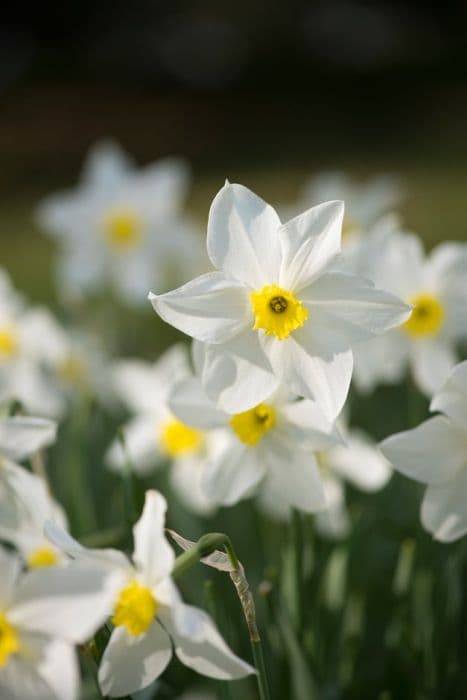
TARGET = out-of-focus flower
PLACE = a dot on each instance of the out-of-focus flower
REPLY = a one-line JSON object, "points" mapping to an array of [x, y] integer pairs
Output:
{"points": [[154, 434], [435, 453], [149, 615], [358, 461], [276, 303], [436, 287], [123, 227], [42, 614], [251, 448]]}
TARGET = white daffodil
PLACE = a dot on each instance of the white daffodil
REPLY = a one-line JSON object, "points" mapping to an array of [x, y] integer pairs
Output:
{"points": [[436, 287], [435, 453], [274, 302], [149, 615], [270, 443], [21, 437], [123, 227], [154, 435], [357, 461], [42, 615], [365, 202]]}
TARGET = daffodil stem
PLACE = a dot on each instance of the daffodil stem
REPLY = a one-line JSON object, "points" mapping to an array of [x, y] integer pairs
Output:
{"points": [[262, 679], [207, 544]]}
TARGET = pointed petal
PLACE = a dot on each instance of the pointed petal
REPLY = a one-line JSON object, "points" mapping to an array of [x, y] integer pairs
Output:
{"points": [[432, 362], [10, 566], [58, 666], [432, 453], [153, 555], [360, 462], [141, 442], [233, 475], [451, 399], [190, 403], [295, 478], [310, 242], [210, 308], [131, 663], [21, 436], [243, 239], [444, 510]]}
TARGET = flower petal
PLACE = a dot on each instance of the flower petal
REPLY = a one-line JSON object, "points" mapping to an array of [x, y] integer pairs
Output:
{"points": [[141, 443], [131, 663], [432, 453], [360, 462], [58, 666], [211, 308], [243, 239], [190, 403], [10, 566], [233, 475], [21, 436], [444, 511], [432, 361], [309, 244], [153, 555], [452, 397]]}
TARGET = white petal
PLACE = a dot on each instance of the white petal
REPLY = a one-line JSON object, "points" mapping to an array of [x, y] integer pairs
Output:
{"points": [[361, 462], [21, 436], [70, 602], [132, 663], [432, 361], [190, 403], [333, 522], [106, 166], [141, 443], [20, 680], [309, 244], [237, 375], [210, 308], [186, 480], [382, 359], [306, 426], [296, 479], [59, 668], [451, 399], [10, 566], [233, 475], [444, 510], [199, 646], [432, 453], [354, 302], [153, 555], [243, 239], [314, 372]]}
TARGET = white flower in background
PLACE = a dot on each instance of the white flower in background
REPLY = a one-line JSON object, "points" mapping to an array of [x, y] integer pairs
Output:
{"points": [[435, 453], [436, 287], [358, 461], [42, 615], [20, 438], [271, 443], [365, 201], [149, 615], [123, 227], [274, 304], [154, 435]]}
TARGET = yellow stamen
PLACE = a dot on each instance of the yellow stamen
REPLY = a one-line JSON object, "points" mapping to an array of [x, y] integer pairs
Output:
{"points": [[277, 311], [427, 315], [41, 557], [348, 229], [251, 426], [9, 641], [8, 342], [122, 228], [180, 439], [136, 609]]}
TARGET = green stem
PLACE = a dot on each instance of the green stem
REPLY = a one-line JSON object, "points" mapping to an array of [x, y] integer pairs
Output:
{"points": [[80, 492], [262, 679]]}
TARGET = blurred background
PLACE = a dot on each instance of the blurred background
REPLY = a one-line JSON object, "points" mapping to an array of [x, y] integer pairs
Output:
{"points": [[265, 93]]}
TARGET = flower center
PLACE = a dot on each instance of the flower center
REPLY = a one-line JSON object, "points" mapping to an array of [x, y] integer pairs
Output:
{"points": [[136, 609], [72, 370], [122, 229], [427, 315], [180, 439], [277, 311], [251, 426], [8, 342], [41, 557], [9, 642]]}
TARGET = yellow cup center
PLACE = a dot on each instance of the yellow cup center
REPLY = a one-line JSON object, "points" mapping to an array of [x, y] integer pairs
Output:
{"points": [[9, 641], [122, 228], [135, 609], [251, 426], [179, 439], [277, 311], [42, 557], [8, 342], [427, 316], [72, 370]]}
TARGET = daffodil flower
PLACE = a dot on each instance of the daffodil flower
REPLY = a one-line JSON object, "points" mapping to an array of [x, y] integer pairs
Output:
{"points": [[42, 615], [275, 304], [435, 453], [436, 287], [148, 615], [122, 227]]}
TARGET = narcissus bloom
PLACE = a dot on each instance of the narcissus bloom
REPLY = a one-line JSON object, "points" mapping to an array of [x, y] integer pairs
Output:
{"points": [[435, 453], [149, 615], [122, 227], [436, 287], [42, 614], [273, 303]]}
